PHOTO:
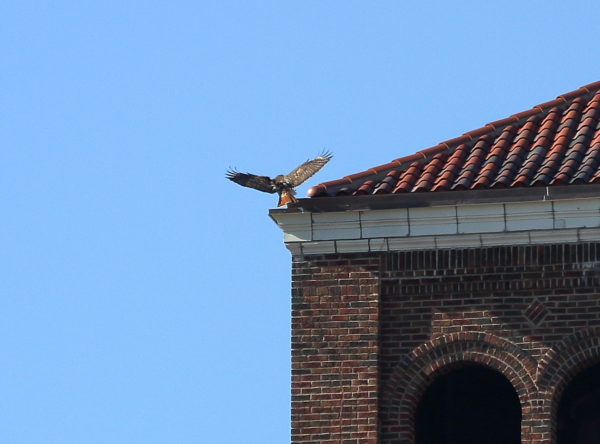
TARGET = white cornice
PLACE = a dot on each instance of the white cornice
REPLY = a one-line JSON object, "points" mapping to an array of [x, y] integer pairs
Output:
{"points": [[442, 226]]}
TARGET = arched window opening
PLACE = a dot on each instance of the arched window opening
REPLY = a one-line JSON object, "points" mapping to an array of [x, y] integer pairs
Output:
{"points": [[469, 405], [579, 409]]}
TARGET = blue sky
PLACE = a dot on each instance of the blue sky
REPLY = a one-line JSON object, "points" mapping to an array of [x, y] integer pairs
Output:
{"points": [[144, 298]]}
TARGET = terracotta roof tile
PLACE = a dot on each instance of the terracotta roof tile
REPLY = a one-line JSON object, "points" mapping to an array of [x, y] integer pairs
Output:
{"points": [[554, 143]]}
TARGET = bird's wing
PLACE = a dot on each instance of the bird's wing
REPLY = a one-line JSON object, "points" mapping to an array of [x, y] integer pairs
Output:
{"points": [[307, 169], [261, 183]]}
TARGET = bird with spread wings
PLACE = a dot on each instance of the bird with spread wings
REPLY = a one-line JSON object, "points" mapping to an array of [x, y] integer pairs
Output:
{"points": [[282, 184]]}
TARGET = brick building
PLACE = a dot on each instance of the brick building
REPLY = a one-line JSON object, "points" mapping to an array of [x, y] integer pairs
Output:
{"points": [[453, 296]]}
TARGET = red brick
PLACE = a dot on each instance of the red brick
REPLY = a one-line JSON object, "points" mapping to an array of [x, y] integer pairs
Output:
{"points": [[394, 318]]}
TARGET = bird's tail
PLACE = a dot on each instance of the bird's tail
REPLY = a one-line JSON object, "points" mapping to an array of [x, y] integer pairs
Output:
{"points": [[286, 197]]}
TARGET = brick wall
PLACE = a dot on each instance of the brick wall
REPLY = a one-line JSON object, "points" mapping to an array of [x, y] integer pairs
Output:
{"points": [[371, 332], [335, 319]]}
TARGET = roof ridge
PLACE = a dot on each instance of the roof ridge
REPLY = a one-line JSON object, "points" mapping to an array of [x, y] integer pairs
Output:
{"points": [[449, 145]]}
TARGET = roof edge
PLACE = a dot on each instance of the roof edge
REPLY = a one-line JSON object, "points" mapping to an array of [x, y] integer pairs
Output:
{"points": [[425, 199]]}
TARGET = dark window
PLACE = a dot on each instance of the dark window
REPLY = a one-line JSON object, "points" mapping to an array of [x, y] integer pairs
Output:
{"points": [[579, 409], [469, 405]]}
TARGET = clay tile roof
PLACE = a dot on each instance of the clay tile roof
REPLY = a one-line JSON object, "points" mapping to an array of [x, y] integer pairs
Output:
{"points": [[554, 143]]}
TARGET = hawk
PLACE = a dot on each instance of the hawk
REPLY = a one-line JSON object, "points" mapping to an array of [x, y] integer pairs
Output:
{"points": [[283, 184]]}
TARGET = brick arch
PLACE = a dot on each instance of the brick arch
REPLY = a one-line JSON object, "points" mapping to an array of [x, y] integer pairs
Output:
{"points": [[424, 364], [568, 357], [562, 363]]}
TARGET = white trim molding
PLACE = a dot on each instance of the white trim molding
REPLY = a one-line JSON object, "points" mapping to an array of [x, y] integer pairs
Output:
{"points": [[457, 225]]}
